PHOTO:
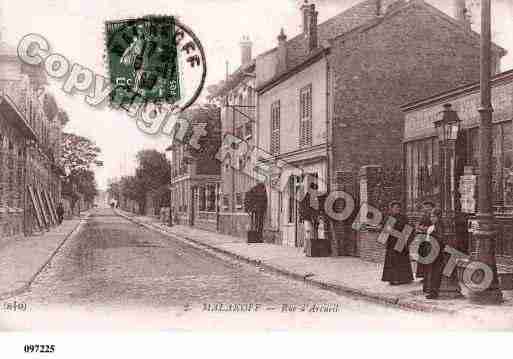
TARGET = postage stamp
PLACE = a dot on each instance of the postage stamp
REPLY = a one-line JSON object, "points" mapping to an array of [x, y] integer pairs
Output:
{"points": [[143, 60]]}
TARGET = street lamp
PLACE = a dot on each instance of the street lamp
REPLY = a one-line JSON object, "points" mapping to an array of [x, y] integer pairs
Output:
{"points": [[448, 128]]}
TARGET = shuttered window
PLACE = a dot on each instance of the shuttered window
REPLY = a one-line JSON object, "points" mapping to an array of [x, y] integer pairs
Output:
{"points": [[275, 128], [305, 116]]}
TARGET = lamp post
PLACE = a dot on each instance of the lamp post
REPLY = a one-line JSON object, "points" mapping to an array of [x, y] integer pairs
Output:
{"points": [[448, 128], [484, 235]]}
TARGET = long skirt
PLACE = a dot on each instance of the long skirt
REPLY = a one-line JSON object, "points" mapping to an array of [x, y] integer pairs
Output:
{"points": [[422, 268], [434, 272], [397, 267]]}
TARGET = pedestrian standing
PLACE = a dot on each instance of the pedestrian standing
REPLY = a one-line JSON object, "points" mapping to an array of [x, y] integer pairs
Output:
{"points": [[434, 270], [422, 227], [397, 267], [60, 212]]}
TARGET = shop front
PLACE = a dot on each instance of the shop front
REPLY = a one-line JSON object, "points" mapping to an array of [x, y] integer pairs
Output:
{"points": [[447, 175]]}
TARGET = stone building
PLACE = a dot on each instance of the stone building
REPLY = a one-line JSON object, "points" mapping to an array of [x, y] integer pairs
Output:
{"points": [[30, 137], [236, 97], [422, 155], [329, 99], [195, 174]]}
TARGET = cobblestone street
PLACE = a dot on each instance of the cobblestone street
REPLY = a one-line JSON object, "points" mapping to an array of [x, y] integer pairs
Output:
{"points": [[115, 271]]}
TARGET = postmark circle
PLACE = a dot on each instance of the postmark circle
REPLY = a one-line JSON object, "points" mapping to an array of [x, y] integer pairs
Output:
{"points": [[155, 59]]}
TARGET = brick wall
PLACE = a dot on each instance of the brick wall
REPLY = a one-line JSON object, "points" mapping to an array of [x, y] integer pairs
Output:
{"points": [[412, 55], [369, 248]]}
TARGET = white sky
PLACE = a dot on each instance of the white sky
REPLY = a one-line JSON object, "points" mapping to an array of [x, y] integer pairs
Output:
{"points": [[74, 28]]}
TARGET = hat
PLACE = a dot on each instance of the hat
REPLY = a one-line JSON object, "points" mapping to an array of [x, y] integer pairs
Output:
{"points": [[394, 203]]}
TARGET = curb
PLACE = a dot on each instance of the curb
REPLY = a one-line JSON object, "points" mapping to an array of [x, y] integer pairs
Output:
{"points": [[332, 287], [26, 286]]}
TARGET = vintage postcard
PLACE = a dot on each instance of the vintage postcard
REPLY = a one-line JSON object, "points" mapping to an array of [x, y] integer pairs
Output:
{"points": [[341, 165]]}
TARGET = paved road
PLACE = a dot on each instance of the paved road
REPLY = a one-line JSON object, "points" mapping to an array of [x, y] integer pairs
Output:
{"points": [[115, 274]]}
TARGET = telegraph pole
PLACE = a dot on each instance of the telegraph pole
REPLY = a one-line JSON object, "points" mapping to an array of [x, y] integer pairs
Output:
{"points": [[485, 235]]}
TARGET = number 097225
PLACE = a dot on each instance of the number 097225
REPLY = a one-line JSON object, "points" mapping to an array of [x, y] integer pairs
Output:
{"points": [[39, 348]]}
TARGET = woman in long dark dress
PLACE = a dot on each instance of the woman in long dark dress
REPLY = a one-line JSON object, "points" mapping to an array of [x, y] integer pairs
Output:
{"points": [[435, 269], [397, 267], [422, 227]]}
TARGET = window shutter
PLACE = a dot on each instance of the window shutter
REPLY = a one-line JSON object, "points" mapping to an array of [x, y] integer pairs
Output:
{"points": [[275, 127], [305, 116]]}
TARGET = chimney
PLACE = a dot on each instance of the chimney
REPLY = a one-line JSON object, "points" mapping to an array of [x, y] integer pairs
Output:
{"points": [[310, 24], [281, 63], [245, 50], [461, 13]]}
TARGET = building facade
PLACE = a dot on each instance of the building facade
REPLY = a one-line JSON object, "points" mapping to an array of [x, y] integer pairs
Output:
{"points": [[195, 175], [422, 155], [237, 99], [30, 148], [293, 122], [329, 99]]}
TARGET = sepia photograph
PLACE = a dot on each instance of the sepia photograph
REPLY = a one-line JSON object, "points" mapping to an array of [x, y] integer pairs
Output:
{"points": [[255, 166]]}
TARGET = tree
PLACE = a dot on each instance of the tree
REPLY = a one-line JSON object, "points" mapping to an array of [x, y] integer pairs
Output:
{"points": [[152, 173], [79, 152], [85, 184], [114, 190], [208, 118], [153, 169], [79, 155]]}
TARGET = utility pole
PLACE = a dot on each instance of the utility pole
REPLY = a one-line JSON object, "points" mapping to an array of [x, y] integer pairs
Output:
{"points": [[485, 235]]}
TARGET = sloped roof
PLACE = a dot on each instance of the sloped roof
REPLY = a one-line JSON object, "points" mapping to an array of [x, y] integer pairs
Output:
{"points": [[199, 114], [234, 79], [297, 47], [355, 19]]}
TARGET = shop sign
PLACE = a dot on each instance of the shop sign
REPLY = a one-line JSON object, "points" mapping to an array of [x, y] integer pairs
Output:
{"points": [[467, 192]]}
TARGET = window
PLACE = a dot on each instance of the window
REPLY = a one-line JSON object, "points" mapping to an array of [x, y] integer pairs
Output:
{"points": [[275, 128], [507, 163], [305, 116], [249, 129], [184, 202], [226, 201], [292, 199], [502, 167], [211, 198], [422, 172], [238, 200], [202, 198]]}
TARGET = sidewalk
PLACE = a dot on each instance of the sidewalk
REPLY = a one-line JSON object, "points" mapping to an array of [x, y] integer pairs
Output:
{"points": [[23, 258], [345, 275]]}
